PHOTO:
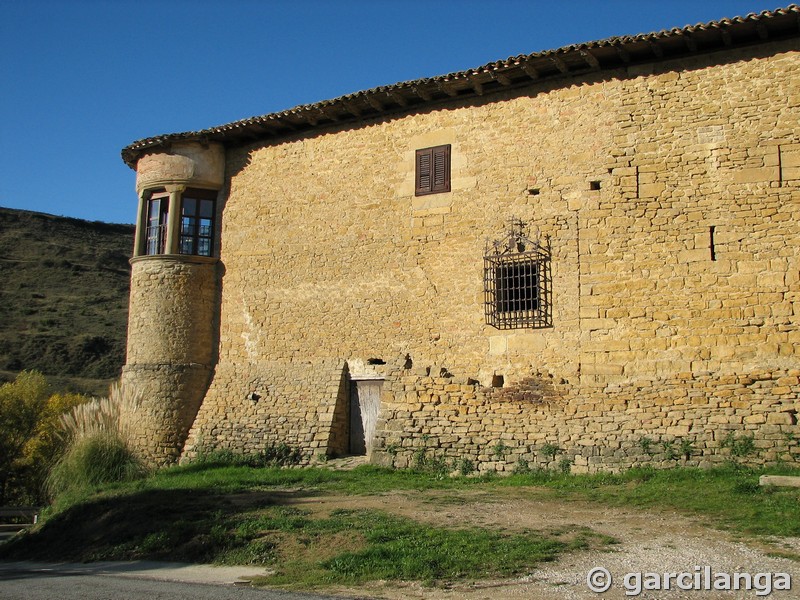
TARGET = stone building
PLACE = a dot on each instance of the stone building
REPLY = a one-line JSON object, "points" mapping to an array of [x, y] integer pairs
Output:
{"points": [[586, 257]]}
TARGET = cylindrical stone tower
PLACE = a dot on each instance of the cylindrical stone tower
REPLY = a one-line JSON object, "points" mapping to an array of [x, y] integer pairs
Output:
{"points": [[173, 320]]}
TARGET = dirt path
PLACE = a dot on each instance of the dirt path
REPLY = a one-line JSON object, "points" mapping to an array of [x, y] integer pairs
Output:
{"points": [[650, 541]]}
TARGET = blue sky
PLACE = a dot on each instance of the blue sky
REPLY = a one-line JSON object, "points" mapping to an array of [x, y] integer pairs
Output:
{"points": [[81, 79]]}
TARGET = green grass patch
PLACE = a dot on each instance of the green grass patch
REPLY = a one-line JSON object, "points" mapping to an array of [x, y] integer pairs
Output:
{"points": [[727, 498], [246, 515], [395, 548], [92, 461]]}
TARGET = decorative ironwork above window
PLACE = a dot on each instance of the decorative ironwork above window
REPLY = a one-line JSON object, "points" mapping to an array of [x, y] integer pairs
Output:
{"points": [[517, 281]]}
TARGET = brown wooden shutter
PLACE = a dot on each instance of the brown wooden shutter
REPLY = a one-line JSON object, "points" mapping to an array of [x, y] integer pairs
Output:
{"points": [[424, 171], [432, 170], [441, 169]]}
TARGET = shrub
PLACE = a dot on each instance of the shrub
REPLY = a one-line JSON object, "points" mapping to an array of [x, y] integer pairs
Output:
{"points": [[466, 467], [669, 449], [499, 450], [92, 460], [550, 450], [29, 440], [522, 467], [101, 415], [740, 447], [21, 405], [45, 447], [98, 450], [687, 449]]}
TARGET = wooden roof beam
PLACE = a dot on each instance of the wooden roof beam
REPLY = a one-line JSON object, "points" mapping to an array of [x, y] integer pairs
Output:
{"points": [[373, 102], [623, 54], [559, 63], [259, 127], [477, 86], [656, 48], [530, 70], [352, 108], [763, 32], [590, 58], [398, 98], [446, 88], [690, 42], [422, 93], [283, 121], [328, 113], [249, 134], [500, 77]]}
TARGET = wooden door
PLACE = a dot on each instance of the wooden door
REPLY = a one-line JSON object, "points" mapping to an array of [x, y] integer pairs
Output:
{"points": [[365, 401]]}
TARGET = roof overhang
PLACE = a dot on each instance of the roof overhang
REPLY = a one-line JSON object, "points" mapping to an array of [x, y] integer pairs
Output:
{"points": [[516, 71]]}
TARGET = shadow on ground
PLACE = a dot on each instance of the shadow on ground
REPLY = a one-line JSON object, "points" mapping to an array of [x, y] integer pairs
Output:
{"points": [[181, 525]]}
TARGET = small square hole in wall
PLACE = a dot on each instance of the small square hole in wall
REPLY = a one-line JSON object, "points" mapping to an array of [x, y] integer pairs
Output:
{"points": [[533, 192], [594, 185]]}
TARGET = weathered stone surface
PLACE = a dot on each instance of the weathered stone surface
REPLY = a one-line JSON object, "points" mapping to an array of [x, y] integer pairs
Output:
{"points": [[172, 349], [188, 162], [675, 285], [779, 480]]}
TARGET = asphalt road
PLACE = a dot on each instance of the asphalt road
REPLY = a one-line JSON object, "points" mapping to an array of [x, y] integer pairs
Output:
{"points": [[54, 582]]}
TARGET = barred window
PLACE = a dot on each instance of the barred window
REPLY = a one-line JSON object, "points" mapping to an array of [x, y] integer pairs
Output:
{"points": [[517, 282]]}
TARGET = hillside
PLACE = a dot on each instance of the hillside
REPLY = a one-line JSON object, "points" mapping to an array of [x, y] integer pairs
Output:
{"points": [[64, 294]]}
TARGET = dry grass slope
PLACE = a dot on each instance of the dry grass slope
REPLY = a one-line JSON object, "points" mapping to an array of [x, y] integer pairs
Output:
{"points": [[64, 296]]}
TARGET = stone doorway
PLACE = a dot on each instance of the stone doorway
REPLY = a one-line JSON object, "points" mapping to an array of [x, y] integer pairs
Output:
{"points": [[365, 402]]}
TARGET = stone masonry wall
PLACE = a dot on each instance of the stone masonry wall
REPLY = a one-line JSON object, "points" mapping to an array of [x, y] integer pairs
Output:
{"points": [[545, 422], [171, 350], [670, 195], [300, 405]]}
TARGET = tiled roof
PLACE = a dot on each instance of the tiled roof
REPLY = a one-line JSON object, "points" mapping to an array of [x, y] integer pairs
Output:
{"points": [[566, 62]]}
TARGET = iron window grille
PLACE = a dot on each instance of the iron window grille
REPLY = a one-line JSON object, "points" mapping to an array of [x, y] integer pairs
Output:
{"points": [[517, 281]]}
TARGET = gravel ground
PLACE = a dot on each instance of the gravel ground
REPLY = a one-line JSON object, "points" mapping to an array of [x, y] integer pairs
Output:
{"points": [[650, 541]]}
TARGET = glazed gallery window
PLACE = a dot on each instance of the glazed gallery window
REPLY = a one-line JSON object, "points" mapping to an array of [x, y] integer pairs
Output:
{"points": [[156, 233], [432, 170], [516, 282], [196, 223]]}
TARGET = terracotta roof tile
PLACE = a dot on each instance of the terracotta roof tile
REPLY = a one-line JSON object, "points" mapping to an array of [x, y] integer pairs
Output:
{"points": [[565, 62]]}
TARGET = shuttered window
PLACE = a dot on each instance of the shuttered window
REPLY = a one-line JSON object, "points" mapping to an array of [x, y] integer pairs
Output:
{"points": [[433, 170]]}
